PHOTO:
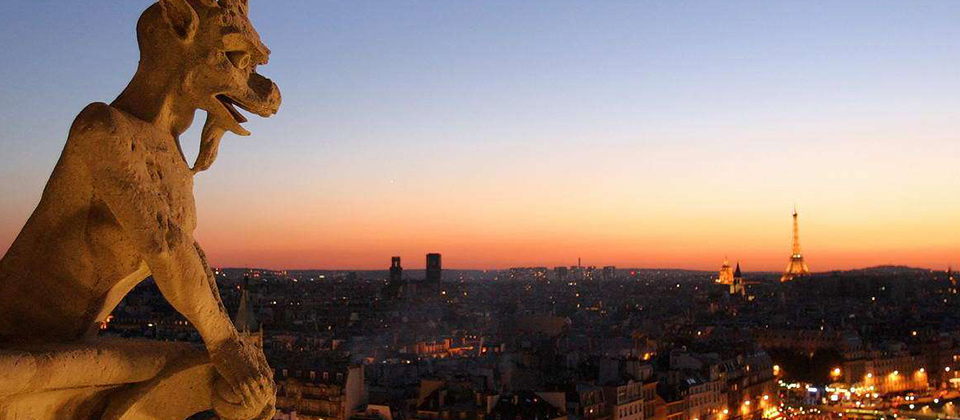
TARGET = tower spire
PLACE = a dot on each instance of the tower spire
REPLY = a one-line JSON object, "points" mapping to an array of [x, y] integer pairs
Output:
{"points": [[246, 319], [797, 267], [796, 233]]}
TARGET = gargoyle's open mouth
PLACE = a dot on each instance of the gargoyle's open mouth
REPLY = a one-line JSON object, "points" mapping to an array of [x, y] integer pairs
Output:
{"points": [[231, 106]]}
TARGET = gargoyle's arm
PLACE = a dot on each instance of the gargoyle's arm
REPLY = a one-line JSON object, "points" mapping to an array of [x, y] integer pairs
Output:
{"points": [[181, 276], [125, 187]]}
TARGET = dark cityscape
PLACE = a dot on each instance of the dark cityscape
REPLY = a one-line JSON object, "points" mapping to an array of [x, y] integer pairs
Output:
{"points": [[587, 342]]}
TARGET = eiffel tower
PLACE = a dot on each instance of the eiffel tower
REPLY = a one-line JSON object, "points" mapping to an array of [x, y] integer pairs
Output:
{"points": [[796, 267]]}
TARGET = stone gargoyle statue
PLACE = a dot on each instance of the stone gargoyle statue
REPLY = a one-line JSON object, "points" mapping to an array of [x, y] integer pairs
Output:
{"points": [[119, 208]]}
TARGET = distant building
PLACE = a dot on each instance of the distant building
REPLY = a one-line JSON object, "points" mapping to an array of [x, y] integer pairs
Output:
{"points": [[561, 272], [429, 287], [726, 273], [737, 285], [323, 392], [395, 282], [246, 320], [609, 272], [396, 271], [438, 399], [797, 267], [891, 368], [434, 270], [526, 405], [625, 399], [704, 395], [588, 402], [751, 389]]}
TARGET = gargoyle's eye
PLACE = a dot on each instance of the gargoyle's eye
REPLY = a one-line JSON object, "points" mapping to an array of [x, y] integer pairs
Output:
{"points": [[239, 58]]}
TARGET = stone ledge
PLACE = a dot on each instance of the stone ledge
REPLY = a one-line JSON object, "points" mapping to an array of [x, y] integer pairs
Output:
{"points": [[110, 379]]}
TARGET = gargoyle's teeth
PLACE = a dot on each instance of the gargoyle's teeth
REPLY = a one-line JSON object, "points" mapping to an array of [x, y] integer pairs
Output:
{"points": [[229, 105]]}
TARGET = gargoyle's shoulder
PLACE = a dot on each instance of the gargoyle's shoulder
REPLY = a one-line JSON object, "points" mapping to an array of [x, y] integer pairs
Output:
{"points": [[96, 120]]}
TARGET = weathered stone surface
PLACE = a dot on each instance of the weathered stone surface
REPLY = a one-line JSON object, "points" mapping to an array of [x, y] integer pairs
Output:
{"points": [[83, 377], [118, 208]]}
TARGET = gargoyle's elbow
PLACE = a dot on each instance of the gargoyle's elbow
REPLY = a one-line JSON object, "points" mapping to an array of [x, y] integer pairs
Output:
{"points": [[159, 246]]}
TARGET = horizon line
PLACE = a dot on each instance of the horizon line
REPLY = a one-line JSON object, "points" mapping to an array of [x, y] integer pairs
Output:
{"points": [[596, 266]]}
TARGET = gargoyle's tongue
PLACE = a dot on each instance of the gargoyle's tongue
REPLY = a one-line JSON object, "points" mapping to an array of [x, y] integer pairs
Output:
{"points": [[231, 106], [229, 121]]}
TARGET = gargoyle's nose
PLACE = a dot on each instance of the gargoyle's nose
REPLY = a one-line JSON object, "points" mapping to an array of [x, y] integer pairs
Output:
{"points": [[268, 95]]}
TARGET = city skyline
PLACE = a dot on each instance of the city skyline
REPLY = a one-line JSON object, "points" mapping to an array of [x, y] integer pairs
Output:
{"points": [[635, 135]]}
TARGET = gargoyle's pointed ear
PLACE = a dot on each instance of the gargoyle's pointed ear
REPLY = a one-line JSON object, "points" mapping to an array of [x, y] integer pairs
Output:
{"points": [[181, 17]]}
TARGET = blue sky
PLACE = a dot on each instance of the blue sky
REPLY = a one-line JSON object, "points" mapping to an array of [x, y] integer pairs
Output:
{"points": [[632, 120]]}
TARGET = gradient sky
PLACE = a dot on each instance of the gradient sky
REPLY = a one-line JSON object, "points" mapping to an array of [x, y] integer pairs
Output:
{"points": [[505, 132]]}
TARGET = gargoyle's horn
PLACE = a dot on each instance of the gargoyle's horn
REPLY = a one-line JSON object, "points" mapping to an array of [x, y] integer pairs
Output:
{"points": [[234, 4]]}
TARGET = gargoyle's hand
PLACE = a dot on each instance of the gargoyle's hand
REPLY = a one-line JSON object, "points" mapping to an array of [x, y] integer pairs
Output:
{"points": [[246, 389]]}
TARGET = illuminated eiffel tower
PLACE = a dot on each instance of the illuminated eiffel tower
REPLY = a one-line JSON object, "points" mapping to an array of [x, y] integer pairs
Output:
{"points": [[797, 267]]}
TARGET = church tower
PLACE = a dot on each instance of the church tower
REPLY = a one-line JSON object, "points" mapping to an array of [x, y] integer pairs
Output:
{"points": [[797, 267], [246, 320], [736, 285], [395, 283]]}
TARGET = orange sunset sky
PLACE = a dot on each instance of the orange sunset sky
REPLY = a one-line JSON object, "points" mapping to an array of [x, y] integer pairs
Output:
{"points": [[500, 134]]}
